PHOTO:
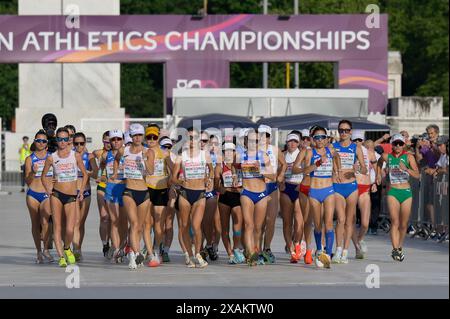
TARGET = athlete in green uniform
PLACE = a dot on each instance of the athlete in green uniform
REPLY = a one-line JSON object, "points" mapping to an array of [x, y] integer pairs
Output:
{"points": [[401, 166]]}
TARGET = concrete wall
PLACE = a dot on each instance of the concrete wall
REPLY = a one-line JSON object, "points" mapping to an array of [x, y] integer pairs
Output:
{"points": [[72, 92], [395, 71], [415, 113]]}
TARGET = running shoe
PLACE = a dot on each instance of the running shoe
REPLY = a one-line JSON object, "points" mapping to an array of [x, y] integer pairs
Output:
{"points": [[203, 253], [363, 246], [78, 256], [232, 260], [165, 257], [212, 253], [240, 258], [48, 256], [191, 263], [253, 259], [337, 256], [261, 260], [62, 262], [359, 254], [401, 254], [187, 259], [303, 249], [127, 249], [269, 256], [154, 262], [161, 249], [200, 262], [308, 257], [132, 260], [323, 259], [115, 257], [299, 252], [39, 258], [106, 248], [70, 256], [344, 258], [294, 258], [395, 254], [139, 259]]}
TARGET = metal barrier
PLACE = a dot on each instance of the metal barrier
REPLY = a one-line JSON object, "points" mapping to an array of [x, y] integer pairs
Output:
{"points": [[429, 212]]}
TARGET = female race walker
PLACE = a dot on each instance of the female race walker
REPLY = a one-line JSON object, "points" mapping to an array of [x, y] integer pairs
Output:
{"points": [[137, 163], [346, 189], [79, 142], [322, 162], [228, 182], [197, 167], [401, 165], [38, 202], [289, 200], [104, 225], [64, 195], [256, 167]]}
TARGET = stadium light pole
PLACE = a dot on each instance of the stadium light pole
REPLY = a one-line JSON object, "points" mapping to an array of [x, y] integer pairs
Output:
{"points": [[296, 65], [265, 64], [205, 8]]}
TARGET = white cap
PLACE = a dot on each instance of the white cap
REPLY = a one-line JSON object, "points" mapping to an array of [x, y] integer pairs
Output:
{"points": [[136, 129], [115, 133], [305, 132], [229, 146], [292, 137], [265, 129], [127, 138], [243, 132], [358, 134], [397, 137], [165, 141]]}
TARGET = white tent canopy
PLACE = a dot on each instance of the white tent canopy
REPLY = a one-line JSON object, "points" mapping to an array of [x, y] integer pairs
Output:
{"points": [[260, 103]]}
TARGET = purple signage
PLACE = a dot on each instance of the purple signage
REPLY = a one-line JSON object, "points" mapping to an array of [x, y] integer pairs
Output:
{"points": [[197, 52]]}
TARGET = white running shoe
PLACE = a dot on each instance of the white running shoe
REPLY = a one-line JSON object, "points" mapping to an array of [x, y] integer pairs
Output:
{"points": [[187, 260], [317, 261], [191, 263], [337, 258], [200, 262], [363, 246], [132, 258], [344, 258]]}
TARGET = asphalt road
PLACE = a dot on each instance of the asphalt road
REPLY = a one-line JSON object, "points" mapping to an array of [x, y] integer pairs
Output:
{"points": [[424, 273]]}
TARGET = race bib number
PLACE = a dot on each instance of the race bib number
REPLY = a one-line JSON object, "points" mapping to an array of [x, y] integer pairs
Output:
{"points": [[397, 176], [324, 170], [347, 160], [67, 172], [251, 170], [133, 169], [195, 170], [159, 168]]}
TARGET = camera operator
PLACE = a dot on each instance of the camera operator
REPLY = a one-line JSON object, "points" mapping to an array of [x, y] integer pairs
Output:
{"points": [[49, 124]]}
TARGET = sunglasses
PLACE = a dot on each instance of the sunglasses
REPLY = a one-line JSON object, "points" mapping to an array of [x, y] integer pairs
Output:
{"points": [[116, 139], [319, 137], [79, 143], [398, 143], [106, 142], [152, 137], [40, 140], [306, 138], [167, 147], [204, 141], [357, 140], [62, 139], [344, 130]]}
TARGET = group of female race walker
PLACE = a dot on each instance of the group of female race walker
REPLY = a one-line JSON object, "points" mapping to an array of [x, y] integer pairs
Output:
{"points": [[145, 180]]}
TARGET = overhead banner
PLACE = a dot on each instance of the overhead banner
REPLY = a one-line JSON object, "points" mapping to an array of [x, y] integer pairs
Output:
{"points": [[197, 50]]}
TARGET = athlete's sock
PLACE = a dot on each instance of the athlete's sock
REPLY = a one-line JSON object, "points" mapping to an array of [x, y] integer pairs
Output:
{"points": [[329, 237], [166, 249], [318, 238]]}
